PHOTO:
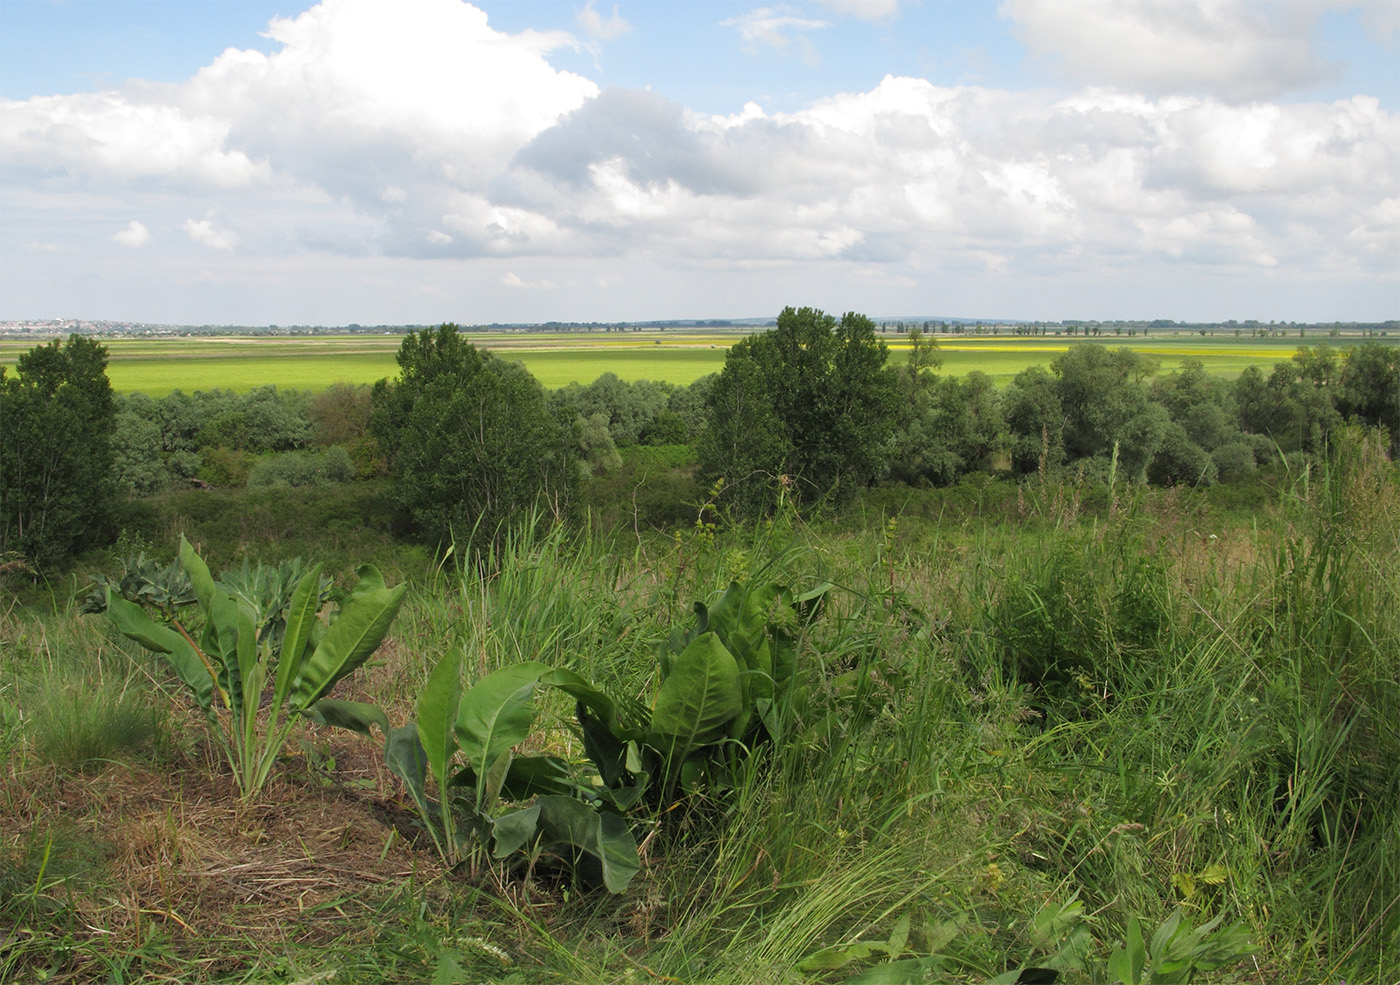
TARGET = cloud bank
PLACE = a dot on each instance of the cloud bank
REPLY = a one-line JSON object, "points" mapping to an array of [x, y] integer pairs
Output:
{"points": [[418, 132]]}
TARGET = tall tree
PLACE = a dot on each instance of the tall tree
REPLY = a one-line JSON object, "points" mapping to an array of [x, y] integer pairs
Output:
{"points": [[56, 423]]}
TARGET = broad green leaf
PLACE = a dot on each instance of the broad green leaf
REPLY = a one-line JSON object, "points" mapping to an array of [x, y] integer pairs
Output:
{"points": [[604, 748], [836, 958], [597, 701], [200, 578], [513, 831], [1165, 932], [906, 971], [404, 756], [695, 705], [301, 619], [496, 714], [437, 713], [359, 628], [600, 836], [1127, 965], [133, 623], [809, 604], [357, 716], [449, 972], [251, 670], [899, 935], [526, 777]]}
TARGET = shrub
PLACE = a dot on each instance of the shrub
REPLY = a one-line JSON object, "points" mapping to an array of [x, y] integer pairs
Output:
{"points": [[1234, 461], [301, 468], [472, 446]]}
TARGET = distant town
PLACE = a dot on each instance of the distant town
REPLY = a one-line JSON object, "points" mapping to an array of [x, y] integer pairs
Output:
{"points": [[52, 328]]}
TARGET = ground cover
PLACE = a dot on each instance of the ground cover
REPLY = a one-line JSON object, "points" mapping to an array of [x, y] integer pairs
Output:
{"points": [[1027, 717]]}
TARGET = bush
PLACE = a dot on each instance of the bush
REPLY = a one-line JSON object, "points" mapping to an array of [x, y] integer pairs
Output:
{"points": [[226, 467], [1234, 461], [81, 729], [297, 468]]}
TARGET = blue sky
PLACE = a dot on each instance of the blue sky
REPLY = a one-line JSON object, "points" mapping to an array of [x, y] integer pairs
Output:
{"points": [[202, 161]]}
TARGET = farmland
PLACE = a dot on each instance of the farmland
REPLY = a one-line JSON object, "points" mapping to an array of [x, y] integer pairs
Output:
{"points": [[158, 366]]}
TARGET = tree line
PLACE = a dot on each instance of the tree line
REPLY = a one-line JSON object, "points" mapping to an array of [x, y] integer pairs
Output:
{"points": [[812, 410]]}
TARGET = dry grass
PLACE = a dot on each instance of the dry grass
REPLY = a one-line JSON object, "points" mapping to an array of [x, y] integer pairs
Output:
{"points": [[184, 859]]}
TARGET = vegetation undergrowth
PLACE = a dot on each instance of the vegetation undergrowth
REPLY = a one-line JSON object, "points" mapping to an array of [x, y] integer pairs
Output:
{"points": [[1089, 732]]}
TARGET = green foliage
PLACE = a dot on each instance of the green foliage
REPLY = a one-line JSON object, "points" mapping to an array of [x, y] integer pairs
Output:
{"points": [[1370, 389], [472, 447], [239, 653], [226, 468], [723, 692], [1178, 951], [263, 420], [465, 741], [300, 468], [626, 410], [809, 406], [165, 588], [954, 427], [1035, 420], [56, 423], [340, 416]]}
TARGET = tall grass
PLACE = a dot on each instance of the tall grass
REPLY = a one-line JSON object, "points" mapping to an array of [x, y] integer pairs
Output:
{"points": [[1147, 710]]}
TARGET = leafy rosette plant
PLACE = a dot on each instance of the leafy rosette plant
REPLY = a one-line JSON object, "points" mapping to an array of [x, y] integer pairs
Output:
{"points": [[721, 686], [238, 656], [466, 740], [725, 686]]}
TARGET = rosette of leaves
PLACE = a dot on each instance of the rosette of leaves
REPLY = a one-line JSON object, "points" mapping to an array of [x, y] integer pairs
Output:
{"points": [[237, 657], [725, 688], [165, 588], [467, 740], [722, 686]]}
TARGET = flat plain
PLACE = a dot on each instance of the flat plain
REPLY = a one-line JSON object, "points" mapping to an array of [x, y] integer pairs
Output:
{"points": [[157, 366]]}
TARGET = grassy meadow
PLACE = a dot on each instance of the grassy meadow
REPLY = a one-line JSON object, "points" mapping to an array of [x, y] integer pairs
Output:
{"points": [[1110, 734], [157, 366]]}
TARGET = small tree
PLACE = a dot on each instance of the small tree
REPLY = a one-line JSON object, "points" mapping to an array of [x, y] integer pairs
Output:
{"points": [[56, 423], [470, 442], [813, 401]]}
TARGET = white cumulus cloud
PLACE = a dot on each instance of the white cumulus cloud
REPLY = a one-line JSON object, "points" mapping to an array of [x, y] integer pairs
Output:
{"points": [[1237, 50], [135, 235], [203, 232]]}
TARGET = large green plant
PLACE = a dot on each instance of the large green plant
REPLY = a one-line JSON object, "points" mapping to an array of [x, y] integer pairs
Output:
{"points": [[723, 687], [240, 652], [466, 740]]}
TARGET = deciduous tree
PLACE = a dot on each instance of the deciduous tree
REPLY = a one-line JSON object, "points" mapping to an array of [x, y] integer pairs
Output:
{"points": [[811, 403], [56, 422], [471, 444]]}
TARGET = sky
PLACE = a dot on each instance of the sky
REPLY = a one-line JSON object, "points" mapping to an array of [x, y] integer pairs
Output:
{"points": [[419, 161]]}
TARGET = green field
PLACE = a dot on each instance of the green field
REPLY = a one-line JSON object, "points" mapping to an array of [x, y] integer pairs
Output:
{"points": [[158, 366]]}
